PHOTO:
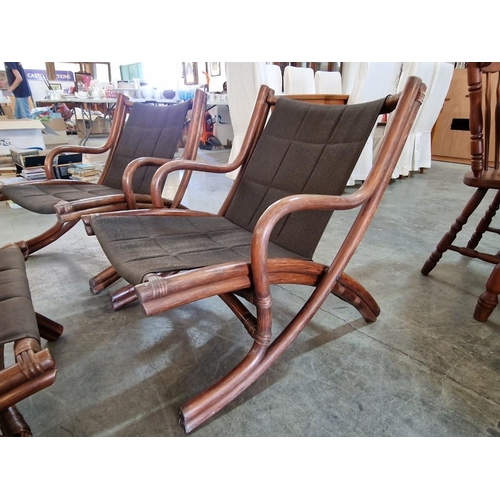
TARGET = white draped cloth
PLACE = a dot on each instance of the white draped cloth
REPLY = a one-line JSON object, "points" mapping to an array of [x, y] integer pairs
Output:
{"points": [[297, 80], [420, 138], [243, 83], [417, 152], [372, 81], [328, 82]]}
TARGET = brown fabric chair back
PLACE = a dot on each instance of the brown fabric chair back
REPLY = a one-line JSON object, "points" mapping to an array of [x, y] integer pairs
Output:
{"points": [[149, 131], [305, 148]]}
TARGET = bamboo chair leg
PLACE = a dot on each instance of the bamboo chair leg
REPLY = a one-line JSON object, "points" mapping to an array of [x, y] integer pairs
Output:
{"points": [[241, 312], [42, 240], [364, 295], [12, 424], [49, 329], [350, 291], [103, 279], [197, 410], [123, 296], [456, 227], [204, 405]]}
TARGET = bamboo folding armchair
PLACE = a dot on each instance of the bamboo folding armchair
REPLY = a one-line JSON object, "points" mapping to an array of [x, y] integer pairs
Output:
{"points": [[295, 162], [143, 134]]}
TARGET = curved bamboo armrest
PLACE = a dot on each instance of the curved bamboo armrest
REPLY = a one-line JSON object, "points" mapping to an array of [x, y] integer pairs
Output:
{"points": [[368, 195], [297, 203], [262, 234], [49, 159], [122, 106], [189, 165], [71, 210], [130, 171], [256, 125]]}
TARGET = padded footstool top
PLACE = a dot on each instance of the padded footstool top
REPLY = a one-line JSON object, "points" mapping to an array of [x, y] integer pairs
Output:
{"points": [[18, 318]]}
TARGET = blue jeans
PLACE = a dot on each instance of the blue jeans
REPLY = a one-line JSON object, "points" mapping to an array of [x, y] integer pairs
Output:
{"points": [[22, 108]]}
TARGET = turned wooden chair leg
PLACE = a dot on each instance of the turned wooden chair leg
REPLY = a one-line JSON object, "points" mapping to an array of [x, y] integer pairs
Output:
{"points": [[485, 222], [456, 227], [489, 299]]}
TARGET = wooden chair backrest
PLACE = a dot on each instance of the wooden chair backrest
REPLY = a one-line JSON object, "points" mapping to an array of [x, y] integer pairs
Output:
{"points": [[484, 120]]}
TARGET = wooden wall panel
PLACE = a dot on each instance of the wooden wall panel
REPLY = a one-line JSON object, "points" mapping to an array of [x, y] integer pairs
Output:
{"points": [[449, 143]]}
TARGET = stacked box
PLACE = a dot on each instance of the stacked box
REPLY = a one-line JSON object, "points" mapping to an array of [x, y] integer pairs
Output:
{"points": [[29, 163], [20, 134]]}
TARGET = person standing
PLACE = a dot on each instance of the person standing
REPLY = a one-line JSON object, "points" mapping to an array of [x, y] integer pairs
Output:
{"points": [[18, 85]]}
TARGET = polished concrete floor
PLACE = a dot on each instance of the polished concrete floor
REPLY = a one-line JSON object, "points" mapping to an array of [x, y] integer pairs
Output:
{"points": [[424, 368]]}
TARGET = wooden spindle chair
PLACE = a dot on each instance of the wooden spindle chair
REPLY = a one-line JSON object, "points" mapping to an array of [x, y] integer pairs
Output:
{"points": [[484, 124]]}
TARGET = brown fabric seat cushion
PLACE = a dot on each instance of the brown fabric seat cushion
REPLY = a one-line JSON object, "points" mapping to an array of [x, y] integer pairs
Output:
{"points": [[140, 245], [41, 198], [18, 319]]}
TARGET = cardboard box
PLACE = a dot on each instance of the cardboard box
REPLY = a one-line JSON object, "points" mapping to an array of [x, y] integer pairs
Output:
{"points": [[99, 126], [55, 131], [22, 134], [7, 111], [6, 105]]}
